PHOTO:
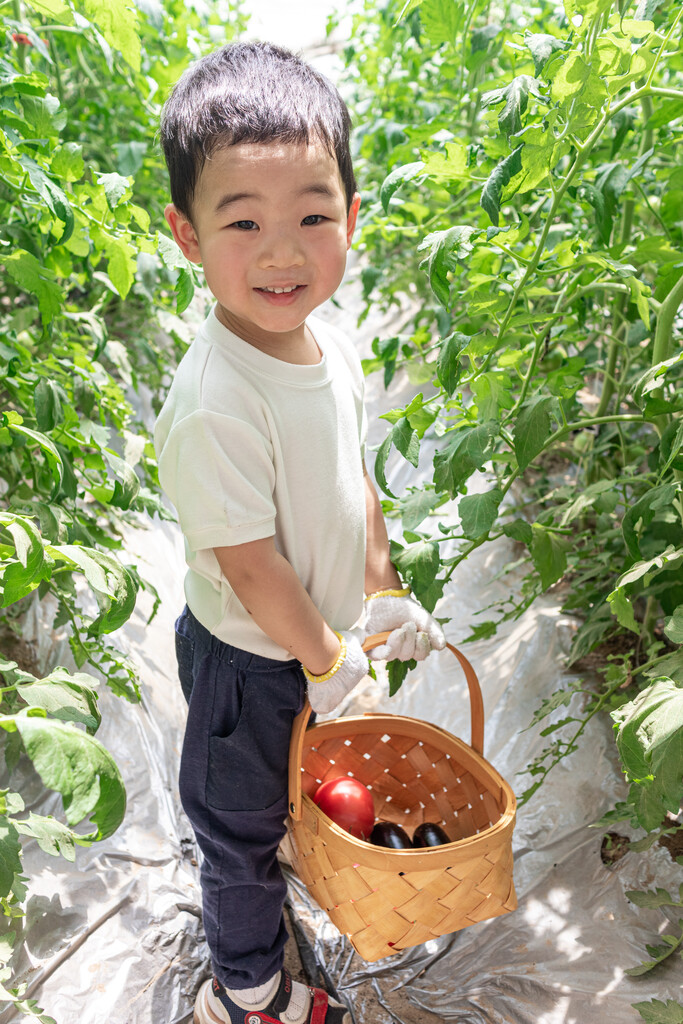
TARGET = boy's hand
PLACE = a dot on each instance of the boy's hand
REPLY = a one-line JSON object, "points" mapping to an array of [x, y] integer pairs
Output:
{"points": [[414, 632], [325, 692]]}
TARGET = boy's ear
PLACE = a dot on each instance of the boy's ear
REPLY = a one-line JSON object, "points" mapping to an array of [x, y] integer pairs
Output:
{"points": [[352, 218], [184, 233]]}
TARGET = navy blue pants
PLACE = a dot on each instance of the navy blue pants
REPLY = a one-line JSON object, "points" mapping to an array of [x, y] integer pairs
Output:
{"points": [[233, 788]]}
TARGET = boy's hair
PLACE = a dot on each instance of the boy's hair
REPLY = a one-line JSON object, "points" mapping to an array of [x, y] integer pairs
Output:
{"points": [[249, 92]]}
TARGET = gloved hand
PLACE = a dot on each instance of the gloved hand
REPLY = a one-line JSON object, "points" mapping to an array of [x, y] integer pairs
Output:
{"points": [[327, 691], [414, 632]]}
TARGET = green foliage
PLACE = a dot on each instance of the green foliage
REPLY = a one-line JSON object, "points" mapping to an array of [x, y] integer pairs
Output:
{"points": [[670, 944], [522, 209], [649, 733], [523, 190], [88, 298]]}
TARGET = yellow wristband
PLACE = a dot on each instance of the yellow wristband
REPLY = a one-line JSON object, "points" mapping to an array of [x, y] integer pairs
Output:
{"points": [[337, 665], [390, 593]]}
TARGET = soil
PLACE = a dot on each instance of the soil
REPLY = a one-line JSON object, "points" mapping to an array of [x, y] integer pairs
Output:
{"points": [[614, 847]]}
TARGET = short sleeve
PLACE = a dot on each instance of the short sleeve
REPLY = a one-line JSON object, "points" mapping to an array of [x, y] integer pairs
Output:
{"points": [[218, 472]]}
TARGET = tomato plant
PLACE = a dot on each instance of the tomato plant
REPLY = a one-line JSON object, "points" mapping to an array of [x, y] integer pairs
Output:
{"points": [[89, 296], [525, 191]]}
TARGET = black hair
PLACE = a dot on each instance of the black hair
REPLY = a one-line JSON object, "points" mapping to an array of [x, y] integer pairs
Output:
{"points": [[249, 92]]}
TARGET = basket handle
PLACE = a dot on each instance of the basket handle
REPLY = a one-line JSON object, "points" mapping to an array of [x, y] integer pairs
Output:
{"points": [[301, 721]]}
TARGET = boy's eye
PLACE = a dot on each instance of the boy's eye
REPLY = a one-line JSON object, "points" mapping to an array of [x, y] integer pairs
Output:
{"points": [[244, 225], [313, 219]]}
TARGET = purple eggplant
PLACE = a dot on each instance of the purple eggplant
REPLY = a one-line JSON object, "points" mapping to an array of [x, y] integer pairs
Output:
{"points": [[386, 833], [429, 834]]}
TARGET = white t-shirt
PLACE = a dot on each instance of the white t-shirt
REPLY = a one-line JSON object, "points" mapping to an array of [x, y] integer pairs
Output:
{"points": [[252, 447]]}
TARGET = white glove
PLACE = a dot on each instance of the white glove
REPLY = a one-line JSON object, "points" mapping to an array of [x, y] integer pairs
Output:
{"points": [[414, 632], [327, 691]]}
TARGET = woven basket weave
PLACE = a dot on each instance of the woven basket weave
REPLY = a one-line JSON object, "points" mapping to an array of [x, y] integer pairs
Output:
{"points": [[388, 900]]}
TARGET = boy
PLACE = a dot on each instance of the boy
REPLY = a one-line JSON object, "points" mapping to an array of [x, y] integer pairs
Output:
{"points": [[260, 448]]}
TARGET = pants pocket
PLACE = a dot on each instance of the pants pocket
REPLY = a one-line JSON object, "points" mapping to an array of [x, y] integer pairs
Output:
{"points": [[248, 769]]}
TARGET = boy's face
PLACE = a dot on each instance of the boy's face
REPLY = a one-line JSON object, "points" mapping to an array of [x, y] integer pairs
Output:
{"points": [[271, 229]]}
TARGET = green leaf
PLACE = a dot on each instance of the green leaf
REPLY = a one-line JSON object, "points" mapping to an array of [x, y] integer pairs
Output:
{"points": [[445, 249], [585, 499], [639, 516], [448, 167], [416, 506], [623, 610], [38, 280], [54, 9], [500, 176], [10, 855], [640, 293], [673, 625], [52, 194], [20, 578], [49, 398], [77, 766], [570, 78], [396, 178], [448, 364], [542, 46], [650, 380], [113, 585], [520, 531], [127, 486], [70, 698], [441, 20], [650, 567], [381, 462], [478, 512], [653, 899], [649, 738], [184, 291], [532, 429], [68, 163], [52, 456], [53, 836], [115, 188], [122, 262], [406, 441], [549, 555], [418, 563], [670, 447], [117, 21], [397, 672], [467, 449], [515, 96], [657, 1012], [588, 10]]}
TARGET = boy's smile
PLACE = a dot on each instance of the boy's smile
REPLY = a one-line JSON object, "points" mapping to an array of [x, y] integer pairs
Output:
{"points": [[271, 229]]}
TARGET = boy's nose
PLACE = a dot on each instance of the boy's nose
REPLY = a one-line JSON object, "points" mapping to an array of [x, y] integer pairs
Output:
{"points": [[281, 250]]}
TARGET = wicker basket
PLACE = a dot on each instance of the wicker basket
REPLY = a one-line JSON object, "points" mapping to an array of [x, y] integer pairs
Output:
{"points": [[387, 900]]}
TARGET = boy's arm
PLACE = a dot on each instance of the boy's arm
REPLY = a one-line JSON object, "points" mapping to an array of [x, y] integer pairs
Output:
{"points": [[272, 593]]}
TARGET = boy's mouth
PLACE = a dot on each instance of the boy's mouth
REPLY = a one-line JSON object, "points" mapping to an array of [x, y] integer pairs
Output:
{"points": [[276, 295], [280, 291]]}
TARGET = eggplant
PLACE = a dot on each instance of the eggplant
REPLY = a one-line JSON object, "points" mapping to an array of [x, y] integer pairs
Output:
{"points": [[386, 833], [429, 834]]}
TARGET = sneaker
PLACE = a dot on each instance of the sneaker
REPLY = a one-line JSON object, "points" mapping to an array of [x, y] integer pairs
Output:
{"points": [[293, 1003]]}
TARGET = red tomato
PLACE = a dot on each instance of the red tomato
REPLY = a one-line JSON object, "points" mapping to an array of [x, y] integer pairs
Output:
{"points": [[348, 803]]}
